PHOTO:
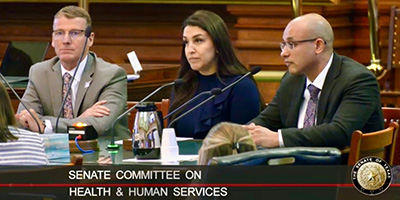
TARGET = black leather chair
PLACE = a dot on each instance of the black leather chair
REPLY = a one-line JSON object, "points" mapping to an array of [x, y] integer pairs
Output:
{"points": [[282, 156]]}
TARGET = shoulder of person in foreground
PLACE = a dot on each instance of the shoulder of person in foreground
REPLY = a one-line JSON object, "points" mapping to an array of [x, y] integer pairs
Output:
{"points": [[28, 149]]}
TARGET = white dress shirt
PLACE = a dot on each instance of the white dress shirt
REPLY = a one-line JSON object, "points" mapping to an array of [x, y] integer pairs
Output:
{"points": [[77, 79], [319, 83]]}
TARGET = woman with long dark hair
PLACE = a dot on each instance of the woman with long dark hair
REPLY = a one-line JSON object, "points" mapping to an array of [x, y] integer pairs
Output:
{"points": [[208, 61], [17, 146]]}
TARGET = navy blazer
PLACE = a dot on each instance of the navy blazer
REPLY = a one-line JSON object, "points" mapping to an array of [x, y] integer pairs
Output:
{"points": [[238, 104], [349, 101]]}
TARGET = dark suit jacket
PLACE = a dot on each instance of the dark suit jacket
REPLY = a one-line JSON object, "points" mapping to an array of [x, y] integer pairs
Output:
{"points": [[349, 101], [100, 81]]}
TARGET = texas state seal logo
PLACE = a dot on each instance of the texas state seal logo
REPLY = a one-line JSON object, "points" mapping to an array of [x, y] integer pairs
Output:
{"points": [[371, 176]]}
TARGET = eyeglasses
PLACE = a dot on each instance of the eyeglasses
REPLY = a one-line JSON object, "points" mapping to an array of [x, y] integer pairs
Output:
{"points": [[73, 34], [292, 44]]}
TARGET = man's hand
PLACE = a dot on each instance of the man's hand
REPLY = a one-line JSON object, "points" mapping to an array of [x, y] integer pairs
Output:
{"points": [[97, 110], [27, 121], [262, 136]]}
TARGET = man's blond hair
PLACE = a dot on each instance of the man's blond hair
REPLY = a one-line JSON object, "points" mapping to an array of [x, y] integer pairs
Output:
{"points": [[74, 12]]}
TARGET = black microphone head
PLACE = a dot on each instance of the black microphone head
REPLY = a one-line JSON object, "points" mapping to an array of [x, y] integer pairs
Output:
{"points": [[88, 31], [255, 70], [179, 81], [216, 91]]}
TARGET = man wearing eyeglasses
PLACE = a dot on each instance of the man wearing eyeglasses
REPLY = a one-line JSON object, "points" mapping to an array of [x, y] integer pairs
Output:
{"points": [[322, 98], [98, 94]]}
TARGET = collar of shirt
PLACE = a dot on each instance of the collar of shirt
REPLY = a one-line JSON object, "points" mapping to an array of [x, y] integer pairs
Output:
{"points": [[79, 72], [77, 79], [319, 81]]}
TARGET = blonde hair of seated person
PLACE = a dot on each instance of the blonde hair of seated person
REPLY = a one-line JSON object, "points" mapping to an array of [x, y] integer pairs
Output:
{"points": [[225, 139], [6, 116]]}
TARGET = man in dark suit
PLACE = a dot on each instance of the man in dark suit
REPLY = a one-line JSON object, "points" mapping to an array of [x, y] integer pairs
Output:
{"points": [[344, 95]]}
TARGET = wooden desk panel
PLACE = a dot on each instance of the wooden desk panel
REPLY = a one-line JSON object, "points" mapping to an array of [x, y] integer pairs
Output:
{"points": [[390, 98], [153, 29]]}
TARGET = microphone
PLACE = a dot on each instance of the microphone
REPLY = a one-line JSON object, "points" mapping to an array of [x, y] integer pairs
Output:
{"points": [[253, 71], [198, 105], [214, 91], [88, 31], [112, 145], [20, 100]]}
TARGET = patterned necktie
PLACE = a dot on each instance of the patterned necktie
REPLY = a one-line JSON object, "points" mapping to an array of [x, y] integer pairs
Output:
{"points": [[309, 119], [68, 102]]}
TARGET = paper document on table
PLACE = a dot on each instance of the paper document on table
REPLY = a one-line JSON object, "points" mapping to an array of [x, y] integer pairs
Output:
{"points": [[180, 158], [119, 142], [132, 77], [133, 59], [137, 67], [183, 138]]}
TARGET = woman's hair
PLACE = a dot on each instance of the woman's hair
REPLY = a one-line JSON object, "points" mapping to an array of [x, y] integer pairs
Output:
{"points": [[227, 65], [223, 139], [6, 115]]}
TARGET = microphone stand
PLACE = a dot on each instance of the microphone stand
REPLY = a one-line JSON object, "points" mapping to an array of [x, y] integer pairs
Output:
{"points": [[88, 31], [253, 71], [198, 105], [22, 103], [212, 91]]}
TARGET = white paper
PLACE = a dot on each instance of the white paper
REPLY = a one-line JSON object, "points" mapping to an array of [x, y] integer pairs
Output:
{"points": [[119, 142], [180, 158], [132, 77], [179, 139], [133, 59]]}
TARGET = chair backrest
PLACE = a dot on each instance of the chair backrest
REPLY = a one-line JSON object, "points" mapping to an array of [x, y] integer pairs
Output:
{"points": [[76, 159], [379, 143], [283, 156], [162, 106], [393, 59], [390, 115], [389, 80], [393, 115]]}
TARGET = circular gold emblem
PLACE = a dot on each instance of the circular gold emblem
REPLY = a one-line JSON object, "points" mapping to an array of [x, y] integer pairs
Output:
{"points": [[371, 175]]}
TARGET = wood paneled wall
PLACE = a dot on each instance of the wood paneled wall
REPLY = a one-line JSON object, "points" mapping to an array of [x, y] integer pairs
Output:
{"points": [[154, 32]]}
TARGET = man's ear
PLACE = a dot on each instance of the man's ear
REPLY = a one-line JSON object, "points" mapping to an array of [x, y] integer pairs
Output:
{"points": [[320, 45], [90, 40]]}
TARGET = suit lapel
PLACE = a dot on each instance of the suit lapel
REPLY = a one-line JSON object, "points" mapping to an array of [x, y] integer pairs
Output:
{"points": [[296, 102], [84, 84], [56, 87], [329, 83]]}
